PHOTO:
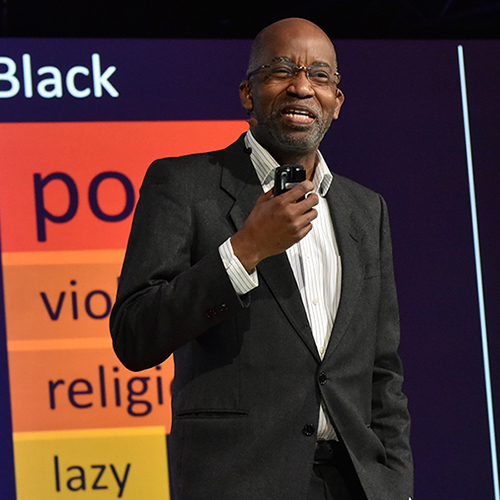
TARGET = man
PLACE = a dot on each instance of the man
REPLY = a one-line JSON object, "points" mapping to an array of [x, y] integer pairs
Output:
{"points": [[281, 311]]}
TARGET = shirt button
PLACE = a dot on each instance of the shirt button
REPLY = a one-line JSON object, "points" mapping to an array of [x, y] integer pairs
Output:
{"points": [[308, 430], [308, 255], [315, 302]]}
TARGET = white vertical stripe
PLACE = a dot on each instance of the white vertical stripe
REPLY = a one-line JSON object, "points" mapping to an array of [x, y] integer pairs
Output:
{"points": [[479, 274], [314, 261]]}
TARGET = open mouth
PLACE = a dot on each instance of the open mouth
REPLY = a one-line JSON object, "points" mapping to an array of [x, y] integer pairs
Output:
{"points": [[298, 115]]}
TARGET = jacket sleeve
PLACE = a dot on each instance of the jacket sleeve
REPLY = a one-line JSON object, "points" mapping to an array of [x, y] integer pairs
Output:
{"points": [[166, 295], [390, 416]]}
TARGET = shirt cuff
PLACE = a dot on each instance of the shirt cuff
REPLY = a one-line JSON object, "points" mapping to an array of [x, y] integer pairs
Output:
{"points": [[242, 281]]}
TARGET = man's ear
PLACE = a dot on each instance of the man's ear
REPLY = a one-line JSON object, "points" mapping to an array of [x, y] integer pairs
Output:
{"points": [[339, 98], [246, 95]]}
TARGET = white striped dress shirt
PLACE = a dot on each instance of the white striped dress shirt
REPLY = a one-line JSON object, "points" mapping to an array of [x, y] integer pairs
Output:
{"points": [[315, 261]]}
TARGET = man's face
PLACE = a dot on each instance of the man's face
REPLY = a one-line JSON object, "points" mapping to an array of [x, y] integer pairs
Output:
{"points": [[293, 115]]}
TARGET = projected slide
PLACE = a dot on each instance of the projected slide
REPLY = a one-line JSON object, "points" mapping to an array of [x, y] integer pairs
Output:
{"points": [[81, 120]]}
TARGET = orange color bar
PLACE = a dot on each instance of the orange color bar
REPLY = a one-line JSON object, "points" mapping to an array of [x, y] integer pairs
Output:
{"points": [[106, 159]]}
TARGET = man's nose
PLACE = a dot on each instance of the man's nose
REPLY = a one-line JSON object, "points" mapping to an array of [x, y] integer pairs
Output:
{"points": [[300, 84]]}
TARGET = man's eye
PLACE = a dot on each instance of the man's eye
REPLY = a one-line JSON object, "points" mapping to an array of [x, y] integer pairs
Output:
{"points": [[319, 74], [281, 72]]}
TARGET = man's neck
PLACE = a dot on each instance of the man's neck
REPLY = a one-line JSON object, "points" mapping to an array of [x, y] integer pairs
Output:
{"points": [[308, 159]]}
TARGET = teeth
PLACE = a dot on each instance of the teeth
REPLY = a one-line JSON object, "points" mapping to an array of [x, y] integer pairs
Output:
{"points": [[298, 115], [298, 112]]}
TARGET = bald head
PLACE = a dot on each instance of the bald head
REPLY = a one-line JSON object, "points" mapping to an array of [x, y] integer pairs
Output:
{"points": [[286, 31]]}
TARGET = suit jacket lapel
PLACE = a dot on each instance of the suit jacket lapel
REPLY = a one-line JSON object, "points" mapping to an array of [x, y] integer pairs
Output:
{"points": [[277, 273], [240, 181], [348, 238]]}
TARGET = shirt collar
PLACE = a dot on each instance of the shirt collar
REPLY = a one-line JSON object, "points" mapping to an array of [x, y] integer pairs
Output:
{"points": [[265, 165]]}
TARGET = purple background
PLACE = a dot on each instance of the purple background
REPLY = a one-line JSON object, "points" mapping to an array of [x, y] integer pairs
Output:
{"points": [[401, 133]]}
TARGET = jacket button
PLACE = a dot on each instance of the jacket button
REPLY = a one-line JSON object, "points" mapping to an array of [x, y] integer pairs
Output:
{"points": [[308, 430], [322, 378]]}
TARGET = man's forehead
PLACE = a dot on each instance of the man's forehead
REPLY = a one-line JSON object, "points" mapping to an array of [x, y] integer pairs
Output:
{"points": [[298, 41], [299, 50]]}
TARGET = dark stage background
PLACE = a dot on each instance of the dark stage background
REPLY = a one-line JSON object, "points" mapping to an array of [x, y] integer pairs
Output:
{"points": [[400, 132]]}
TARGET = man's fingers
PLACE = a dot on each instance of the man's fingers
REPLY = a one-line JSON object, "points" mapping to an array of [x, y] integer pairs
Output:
{"points": [[309, 202], [299, 191], [306, 219], [310, 215], [264, 197]]}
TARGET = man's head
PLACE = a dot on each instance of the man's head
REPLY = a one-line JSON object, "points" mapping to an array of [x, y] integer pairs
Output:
{"points": [[291, 87]]}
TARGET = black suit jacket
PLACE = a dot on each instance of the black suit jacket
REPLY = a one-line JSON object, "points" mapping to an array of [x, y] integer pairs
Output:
{"points": [[248, 377]]}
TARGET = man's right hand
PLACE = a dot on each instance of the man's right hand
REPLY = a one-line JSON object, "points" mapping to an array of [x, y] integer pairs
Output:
{"points": [[275, 224]]}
